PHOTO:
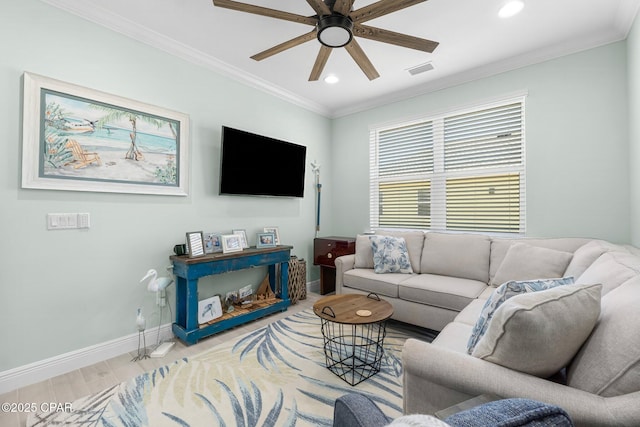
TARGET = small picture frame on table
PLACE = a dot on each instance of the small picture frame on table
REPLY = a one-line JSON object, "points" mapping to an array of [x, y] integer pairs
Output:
{"points": [[266, 240], [195, 244], [212, 243], [231, 243], [243, 237], [276, 233]]}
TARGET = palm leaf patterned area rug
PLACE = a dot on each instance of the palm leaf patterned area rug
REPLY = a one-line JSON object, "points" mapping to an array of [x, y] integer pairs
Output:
{"points": [[273, 376]]}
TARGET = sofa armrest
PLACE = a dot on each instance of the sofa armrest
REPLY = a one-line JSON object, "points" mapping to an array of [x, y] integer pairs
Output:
{"points": [[436, 378], [343, 264]]}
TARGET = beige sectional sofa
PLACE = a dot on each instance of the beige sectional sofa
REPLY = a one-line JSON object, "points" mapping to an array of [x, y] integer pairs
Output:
{"points": [[590, 329]]}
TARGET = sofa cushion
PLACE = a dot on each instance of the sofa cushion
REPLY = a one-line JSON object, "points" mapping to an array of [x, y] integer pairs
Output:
{"points": [[608, 363], [366, 280], [390, 255], [526, 262], [457, 255], [611, 269], [500, 246], [414, 240], [586, 254], [452, 293], [540, 332], [469, 315], [503, 293], [454, 336]]}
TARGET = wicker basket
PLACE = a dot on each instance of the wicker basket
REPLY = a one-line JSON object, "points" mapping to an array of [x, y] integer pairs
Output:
{"points": [[297, 279]]}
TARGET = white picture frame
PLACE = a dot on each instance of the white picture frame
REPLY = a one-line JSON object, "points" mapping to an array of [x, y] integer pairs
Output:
{"points": [[243, 236], [209, 309], [80, 139], [231, 243], [275, 231]]}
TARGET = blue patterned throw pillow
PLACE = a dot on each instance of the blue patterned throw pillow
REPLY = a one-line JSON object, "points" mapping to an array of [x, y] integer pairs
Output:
{"points": [[390, 255], [503, 293]]}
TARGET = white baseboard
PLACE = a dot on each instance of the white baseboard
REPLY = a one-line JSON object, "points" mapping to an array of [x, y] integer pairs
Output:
{"points": [[39, 371], [314, 286], [48, 368]]}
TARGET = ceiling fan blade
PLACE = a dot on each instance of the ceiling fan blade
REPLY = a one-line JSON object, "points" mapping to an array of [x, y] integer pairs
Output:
{"points": [[265, 11], [398, 39], [321, 61], [381, 8], [284, 46], [320, 7], [361, 59], [343, 7]]}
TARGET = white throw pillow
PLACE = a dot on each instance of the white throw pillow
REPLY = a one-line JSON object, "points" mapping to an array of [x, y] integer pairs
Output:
{"points": [[364, 253], [503, 293], [390, 255], [540, 332], [418, 420], [526, 262]]}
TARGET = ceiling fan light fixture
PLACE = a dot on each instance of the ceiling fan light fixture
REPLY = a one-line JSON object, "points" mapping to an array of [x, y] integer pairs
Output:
{"points": [[335, 30], [511, 8]]}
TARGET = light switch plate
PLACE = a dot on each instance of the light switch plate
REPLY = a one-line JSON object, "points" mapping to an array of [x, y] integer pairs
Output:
{"points": [[67, 221]]}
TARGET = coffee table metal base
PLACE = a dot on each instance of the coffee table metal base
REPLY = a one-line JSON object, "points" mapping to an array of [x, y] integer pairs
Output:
{"points": [[353, 352]]}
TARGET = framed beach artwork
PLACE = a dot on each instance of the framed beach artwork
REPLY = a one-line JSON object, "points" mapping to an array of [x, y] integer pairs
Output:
{"points": [[80, 139]]}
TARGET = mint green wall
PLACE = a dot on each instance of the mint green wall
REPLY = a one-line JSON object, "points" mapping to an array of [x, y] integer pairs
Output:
{"points": [[65, 290], [633, 58], [576, 147]]}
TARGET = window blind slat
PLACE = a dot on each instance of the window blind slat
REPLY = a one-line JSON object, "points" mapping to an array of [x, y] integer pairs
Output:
{"points": [[485, 138], [406, 150], [461, 171], [405, 204]]}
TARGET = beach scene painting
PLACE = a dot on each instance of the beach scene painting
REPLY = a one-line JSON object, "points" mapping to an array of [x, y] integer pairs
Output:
{"points": [[92, 141]]}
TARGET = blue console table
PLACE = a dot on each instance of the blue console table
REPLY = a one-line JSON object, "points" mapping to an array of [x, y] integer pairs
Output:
{"points": [[189, 270]]}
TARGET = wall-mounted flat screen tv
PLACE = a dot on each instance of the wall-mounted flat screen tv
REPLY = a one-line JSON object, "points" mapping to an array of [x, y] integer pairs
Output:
{"points": [[260, 166]]}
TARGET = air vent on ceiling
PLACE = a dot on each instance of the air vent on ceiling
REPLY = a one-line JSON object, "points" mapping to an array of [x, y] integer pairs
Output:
{"points": [[427, 66]]}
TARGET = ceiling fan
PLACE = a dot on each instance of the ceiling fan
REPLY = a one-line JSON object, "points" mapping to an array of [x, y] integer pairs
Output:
{"points": [[335, 25]]}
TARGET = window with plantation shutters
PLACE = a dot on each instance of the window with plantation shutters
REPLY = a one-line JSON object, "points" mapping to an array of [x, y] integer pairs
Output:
{"points": [[463, 171]]}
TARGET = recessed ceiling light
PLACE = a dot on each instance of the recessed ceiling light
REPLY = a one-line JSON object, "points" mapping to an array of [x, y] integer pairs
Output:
{"points": [[331, 79], [511, 8]]}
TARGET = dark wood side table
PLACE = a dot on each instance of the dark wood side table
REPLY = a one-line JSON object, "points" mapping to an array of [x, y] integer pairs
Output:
{"points": [[325, 252]]}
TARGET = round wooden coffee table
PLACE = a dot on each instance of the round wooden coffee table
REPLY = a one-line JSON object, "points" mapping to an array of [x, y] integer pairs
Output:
{"points": [[353, 328]]}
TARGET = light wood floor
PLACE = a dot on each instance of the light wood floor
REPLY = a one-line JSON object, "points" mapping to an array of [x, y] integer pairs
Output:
{"points": [[91, 379]]}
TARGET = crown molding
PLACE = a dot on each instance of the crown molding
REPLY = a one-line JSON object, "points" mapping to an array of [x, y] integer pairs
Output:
{"points": [[509, 64], [620, 27], [625, 17], [122, 25]]}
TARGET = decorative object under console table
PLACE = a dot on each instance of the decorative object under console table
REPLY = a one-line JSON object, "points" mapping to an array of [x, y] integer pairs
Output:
{"points": [[189, 270], [325, 252]]}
